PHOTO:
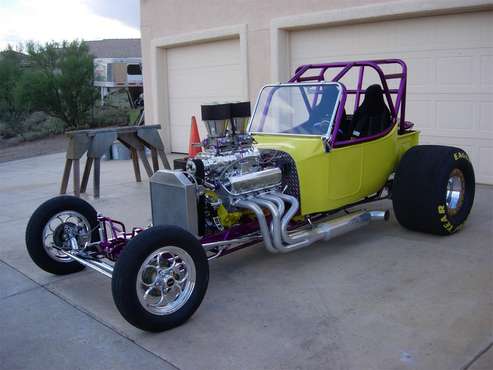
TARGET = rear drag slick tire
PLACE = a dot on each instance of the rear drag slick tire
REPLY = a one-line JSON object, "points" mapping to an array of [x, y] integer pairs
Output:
{"points": [[433, 189]]}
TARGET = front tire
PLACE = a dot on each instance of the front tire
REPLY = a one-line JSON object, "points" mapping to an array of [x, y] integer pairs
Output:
{"points": [[160, 278], [45, 232], [433, 189]]}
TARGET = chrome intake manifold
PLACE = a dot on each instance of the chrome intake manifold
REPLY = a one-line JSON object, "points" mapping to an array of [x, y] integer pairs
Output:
{"points": [[278, 239]]}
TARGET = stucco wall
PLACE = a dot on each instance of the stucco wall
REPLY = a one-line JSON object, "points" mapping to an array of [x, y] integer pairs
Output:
{"points": [[171, 18], [175, 17]]}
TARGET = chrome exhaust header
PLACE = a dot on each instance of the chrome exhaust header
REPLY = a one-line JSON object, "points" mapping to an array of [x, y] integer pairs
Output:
{"points": [[264, 228], [277, 239]]}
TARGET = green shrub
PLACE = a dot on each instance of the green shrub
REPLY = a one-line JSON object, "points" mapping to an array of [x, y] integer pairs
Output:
{"points": [[133, 115], [110, 116], [60, 81], [32, 121], [117, 99], [12, 105], [10, 128], [52, 126], [33, 135], [35, 126], [40, 125]]}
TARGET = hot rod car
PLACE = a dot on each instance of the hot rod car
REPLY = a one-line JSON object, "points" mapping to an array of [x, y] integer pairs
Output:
{"points": [[279, 177]]}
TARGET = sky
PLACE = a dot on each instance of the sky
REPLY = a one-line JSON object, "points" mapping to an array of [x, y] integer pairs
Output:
{"points": [[57, 20]]}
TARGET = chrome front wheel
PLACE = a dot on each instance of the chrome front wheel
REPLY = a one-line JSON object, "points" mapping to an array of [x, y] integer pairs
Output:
{"points": [[60, 228], [160, 278], [166, 280], [51, 228]]}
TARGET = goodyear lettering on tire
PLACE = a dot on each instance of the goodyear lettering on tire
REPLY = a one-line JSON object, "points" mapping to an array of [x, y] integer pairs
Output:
{"points": [[444, 220], [461, 155]]}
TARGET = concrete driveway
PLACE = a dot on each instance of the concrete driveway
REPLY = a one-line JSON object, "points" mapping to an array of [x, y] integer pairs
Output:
{"points": [[382, 298]]}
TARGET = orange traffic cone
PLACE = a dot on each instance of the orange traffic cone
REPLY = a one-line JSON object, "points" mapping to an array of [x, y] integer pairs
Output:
{"points": [[194, 143]]}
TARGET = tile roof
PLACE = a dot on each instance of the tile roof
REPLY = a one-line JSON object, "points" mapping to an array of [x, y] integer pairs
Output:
{"points": [[115, 48]]}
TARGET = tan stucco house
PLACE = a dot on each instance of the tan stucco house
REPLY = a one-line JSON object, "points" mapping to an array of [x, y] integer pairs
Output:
{"points": [[198, 52]]}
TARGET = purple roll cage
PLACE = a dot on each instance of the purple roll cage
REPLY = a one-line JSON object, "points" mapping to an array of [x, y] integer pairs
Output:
{"points": [[396, 98]]}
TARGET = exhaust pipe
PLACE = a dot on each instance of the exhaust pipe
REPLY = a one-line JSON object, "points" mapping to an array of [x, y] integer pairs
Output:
{"points": [[345, 224], [280, 240], [264, 229], [275, 225]]}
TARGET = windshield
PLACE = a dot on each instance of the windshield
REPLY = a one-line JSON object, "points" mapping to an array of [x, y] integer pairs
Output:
{"points": [[300, 109]]}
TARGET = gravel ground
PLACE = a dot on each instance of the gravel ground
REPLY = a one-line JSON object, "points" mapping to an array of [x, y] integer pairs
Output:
{"points": [[28, 149]]}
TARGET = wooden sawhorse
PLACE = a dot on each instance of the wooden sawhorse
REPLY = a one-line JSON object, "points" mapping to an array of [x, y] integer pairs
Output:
{"points": [[97, 142]]}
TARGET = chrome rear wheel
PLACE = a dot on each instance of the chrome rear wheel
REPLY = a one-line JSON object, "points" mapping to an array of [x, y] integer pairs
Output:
{"points": [[456, 188]]}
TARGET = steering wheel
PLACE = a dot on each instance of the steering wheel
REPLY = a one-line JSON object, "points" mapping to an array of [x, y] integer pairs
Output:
{"points": [[322, 125]]}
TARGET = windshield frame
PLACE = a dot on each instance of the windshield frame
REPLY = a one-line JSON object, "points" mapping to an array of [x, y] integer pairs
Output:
{"points": [[340, 89]]}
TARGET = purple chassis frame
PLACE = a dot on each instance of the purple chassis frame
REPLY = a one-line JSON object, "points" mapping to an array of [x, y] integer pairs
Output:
{"points": [[113, 236]]}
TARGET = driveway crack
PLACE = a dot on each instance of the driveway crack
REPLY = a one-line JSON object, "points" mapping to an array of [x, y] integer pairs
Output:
{"points": [[477, 356]]}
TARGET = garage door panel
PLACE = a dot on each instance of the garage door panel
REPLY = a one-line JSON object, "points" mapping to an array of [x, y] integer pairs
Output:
{"points": [[193, 105], [453, 134], [486, 116], [456, 70], [485, 162], [418, 34], [309, 47], [209, 81], [450, 116], [205, 54], [420, 71], [408, 32], [184, 109], [454, 31], [486, 66], [450, 73], [455, 115], [200, 74], [430, 74], [422, 112]]}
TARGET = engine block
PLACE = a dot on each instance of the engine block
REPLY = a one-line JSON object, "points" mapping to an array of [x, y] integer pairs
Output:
{"points": [[230, 169]]}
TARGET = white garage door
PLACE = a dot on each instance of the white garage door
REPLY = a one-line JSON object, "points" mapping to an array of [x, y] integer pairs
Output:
{"points": [[450, 79], [200, 74]]}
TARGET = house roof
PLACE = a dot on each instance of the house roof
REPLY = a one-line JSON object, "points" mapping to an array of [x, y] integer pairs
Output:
{"points": [[115, 48], [21, 57], [9, 52]]}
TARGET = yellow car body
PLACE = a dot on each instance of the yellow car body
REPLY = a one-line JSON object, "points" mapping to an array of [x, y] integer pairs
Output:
{"points": [[342, 176]]}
